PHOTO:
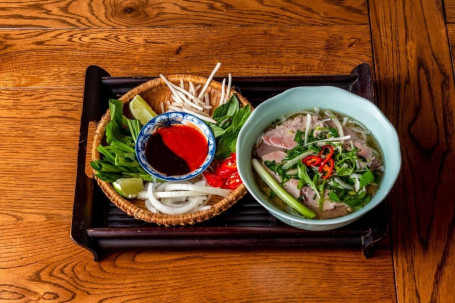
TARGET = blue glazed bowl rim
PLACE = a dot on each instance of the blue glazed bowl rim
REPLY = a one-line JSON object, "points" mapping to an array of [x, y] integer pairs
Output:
{"points": [[150, 127], [376, 200]]}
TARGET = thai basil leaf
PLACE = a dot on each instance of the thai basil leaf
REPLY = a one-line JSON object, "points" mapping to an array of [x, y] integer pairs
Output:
{"points": [[226, 145], [227, 109]]}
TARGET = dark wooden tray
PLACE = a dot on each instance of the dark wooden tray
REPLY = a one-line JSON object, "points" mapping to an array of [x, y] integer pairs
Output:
{"points": [[100, 227]]}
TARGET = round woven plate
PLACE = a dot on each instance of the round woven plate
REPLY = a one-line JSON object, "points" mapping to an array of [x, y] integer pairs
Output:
{"points": [[156, 92]]}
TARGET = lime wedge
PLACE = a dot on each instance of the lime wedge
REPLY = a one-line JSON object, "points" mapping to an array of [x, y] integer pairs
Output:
{"points": [[128, 187], [141, 110]]}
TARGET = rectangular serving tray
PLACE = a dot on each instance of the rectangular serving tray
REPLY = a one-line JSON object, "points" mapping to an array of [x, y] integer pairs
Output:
{"points": [[100, 227]]}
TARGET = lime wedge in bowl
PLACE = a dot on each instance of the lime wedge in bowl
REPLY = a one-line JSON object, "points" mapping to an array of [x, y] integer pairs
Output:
{"points": [[141, 110], [128, 187]]}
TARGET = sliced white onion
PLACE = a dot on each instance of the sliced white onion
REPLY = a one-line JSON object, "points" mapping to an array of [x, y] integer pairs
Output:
{"points": [[150, 207], [296, 159], [142, 195], [307, 128], [169, 210], [174, 194], [205, 207], [345, 185], [320, 122], [202, 189], [331, 139], [337, 123]]}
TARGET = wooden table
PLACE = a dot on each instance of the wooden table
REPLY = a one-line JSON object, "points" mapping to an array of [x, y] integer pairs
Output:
{"points": [[45, 47]]}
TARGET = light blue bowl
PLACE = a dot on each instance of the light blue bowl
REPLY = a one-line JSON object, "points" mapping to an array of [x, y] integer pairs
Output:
{"points": [[168, 119], [323, 97]]}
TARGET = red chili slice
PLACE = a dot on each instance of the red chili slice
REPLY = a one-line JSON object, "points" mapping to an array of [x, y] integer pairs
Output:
{"points": [[227, 167], [213, 179], [232, 182], [327, 156], [312, 160], [330, 153], [327, 168]]}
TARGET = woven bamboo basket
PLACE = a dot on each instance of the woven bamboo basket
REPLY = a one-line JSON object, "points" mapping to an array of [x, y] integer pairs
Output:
{"points": [[156, 92]]}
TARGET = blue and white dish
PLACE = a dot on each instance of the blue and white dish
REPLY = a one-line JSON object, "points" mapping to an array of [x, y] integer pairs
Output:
{"points": [[168, 119]]}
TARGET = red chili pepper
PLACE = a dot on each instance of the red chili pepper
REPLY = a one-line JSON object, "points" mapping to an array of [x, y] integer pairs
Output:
{"points": [[327, 168], [227, 167], [329, 155], [213, 179], [312, 160], [232, 182]]}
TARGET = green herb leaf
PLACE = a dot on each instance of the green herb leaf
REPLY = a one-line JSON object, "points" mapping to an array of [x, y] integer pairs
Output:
{"points": [[303, 175], [239, 119], [333, 132], [217, 131], [334, 197], [226, 145], [298, 137], [356, 200], [344, 170], [278, 169], [227, 109], [366, 178], [116, 109]]}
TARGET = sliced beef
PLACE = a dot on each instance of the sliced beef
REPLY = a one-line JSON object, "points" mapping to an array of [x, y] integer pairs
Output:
{"points": [[276, 156], [264, 149], [291, 187], [362, 149], [329, 209], [283, 136]]}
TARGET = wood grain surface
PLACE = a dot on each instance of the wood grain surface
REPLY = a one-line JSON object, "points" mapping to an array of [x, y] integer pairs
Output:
{"points": [[449, 6], [415, 87], [29, 56], [174, 13], [45, 47]]}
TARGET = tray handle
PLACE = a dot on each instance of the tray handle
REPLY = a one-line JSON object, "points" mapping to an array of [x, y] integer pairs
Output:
{"points": [[83, 200], [363, 86]]}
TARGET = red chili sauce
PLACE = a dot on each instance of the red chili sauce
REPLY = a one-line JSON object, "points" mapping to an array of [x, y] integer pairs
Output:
{"points": [[176, 150]]}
